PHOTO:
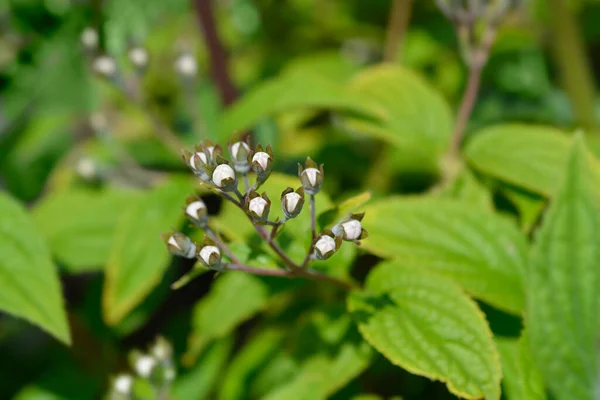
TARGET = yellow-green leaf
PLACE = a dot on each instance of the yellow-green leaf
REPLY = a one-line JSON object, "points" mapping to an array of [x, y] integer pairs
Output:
{"points": [[521, 378], [79, 224], [417, 118], [530, 156], [138, 257], [480, 250], [428, 326], [563, 306], [29, 283]]}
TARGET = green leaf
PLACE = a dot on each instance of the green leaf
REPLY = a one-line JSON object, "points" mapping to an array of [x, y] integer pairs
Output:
{"points": [[332, 354], [79, 225], [29, 281], [348, 206], [289, 92], [563, 306], [234, 298], [480, 250], [201, 380], [532, 157], [468, 189], [138, 256], [521, 378], [417, 118], [529, 205], [428, 326], [256, 352]]}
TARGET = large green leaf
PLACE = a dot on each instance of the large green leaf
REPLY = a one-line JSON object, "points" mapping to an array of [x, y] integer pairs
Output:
{"points": [[483, 252], [29, 281], [201, 380], [235, 297], [138, 257], [529, 156], [417, 118], [428, 326], [79, 225], [521, 378], [291, 91], [563, 306]]}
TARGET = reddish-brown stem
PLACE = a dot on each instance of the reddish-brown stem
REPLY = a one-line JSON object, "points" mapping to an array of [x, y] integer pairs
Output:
{"points": [[218, 55], [299, 273], [397, 25], [211, 234]]}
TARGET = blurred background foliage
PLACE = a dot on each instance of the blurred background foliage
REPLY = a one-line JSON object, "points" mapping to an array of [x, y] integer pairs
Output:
{"points": [[305, 75]]}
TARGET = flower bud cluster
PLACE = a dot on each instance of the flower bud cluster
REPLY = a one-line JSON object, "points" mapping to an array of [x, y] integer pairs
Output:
{"points": [[156, 368]]}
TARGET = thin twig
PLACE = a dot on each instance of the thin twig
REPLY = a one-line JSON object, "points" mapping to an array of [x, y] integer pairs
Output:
{"points": [[246, 183], [211, 234], [307, 274], [313, 218], [396, 29]]}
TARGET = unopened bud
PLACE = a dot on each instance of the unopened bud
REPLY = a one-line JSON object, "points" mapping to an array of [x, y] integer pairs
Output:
{"points": [[180, 245], [138, 57], [311, 176], [144, 365], [186, 65], [351, 228], [105, 66], [162, 350], [224, 177], [262, 162], [292, 202], [123, 384], [196, 211], [326, 245], [239, 154], [89, 38], [210, 256]]}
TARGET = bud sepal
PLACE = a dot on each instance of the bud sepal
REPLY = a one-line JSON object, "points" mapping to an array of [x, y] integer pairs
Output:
{"points": [[209, 254], [195, 210], [179, 244], [261, 161], [239, 154], [257, 206], [326, 244], [292, 202], [311, 176]]}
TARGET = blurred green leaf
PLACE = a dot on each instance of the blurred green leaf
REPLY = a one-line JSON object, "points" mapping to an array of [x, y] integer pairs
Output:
{"points": [[200, 381], [234, 298], [521, 378], [417, 119], [428, 326], [481, 251], [529, 156], [29, 281], [563, 307], [529, 205], [468, 189], [257, 351], [292, 91], [138, 257], [79, 224], [339, 355], [348, 206]]}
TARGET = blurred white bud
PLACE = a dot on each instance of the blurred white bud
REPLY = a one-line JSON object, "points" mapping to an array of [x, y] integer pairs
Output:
{"points": [[123, 384], [139, 57], [224, 177], [262, 159], [105, 66], [89, 38], [325, 247], [86, 168], [98, 121], [210, 256], [258, 205], [239, 154], [186, 65], [144, 366]]}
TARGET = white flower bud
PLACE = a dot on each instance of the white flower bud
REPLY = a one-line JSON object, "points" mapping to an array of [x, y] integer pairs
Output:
{"points": [[325, 247], [202, 158], [210, 256], [196, 212], [221, 174], [290, 202], [105, 66], [86, 168], [258, 205], [139, 57], [89, 38], [181, 245], [186, 65], [352, 229], [123, 384], [144, 366], [262, 159], [239, 150], [312, 174]]}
